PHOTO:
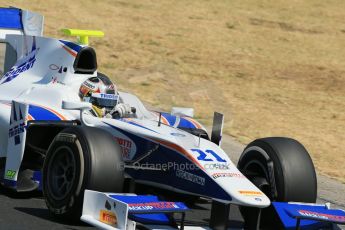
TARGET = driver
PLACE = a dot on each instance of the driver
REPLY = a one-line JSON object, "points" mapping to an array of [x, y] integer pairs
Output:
{"points": [[103, 96]]}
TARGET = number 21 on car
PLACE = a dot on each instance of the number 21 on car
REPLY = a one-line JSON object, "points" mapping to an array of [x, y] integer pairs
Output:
{"points": [[208, 155]]}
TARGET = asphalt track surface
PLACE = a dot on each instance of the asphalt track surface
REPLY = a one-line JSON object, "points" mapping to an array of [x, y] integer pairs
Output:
{"points": [[28, 211]]}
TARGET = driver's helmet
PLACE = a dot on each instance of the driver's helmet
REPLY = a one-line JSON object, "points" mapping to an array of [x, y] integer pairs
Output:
{"points": [[101, 93]]}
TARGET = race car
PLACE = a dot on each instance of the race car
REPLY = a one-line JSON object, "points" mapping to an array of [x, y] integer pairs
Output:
{"points": [[49, 142]]}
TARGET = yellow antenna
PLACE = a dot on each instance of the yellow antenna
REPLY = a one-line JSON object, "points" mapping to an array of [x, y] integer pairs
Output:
{"points": [[83, 35]]}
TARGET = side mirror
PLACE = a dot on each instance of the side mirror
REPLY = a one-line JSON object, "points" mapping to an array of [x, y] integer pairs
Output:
{"points": [[217, 128], [82, 106]]}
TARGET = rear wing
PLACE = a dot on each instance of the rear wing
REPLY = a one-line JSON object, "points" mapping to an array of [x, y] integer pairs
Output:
{"points": [[17, 21]]}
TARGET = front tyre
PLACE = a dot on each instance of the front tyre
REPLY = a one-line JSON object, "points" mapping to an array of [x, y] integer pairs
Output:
{"points": [[80, 158], [283, 170]]}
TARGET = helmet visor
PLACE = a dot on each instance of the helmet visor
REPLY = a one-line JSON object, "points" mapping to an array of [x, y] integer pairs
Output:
{"points": [[104, 100]]}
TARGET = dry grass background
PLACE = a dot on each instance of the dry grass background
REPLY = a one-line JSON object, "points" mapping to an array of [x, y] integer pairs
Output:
{"points": [[272, 67]]}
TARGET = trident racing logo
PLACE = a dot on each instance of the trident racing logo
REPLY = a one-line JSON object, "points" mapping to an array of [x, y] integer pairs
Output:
{"points": [[17, 123], [16, 70], [15, 132], [26, 65]]}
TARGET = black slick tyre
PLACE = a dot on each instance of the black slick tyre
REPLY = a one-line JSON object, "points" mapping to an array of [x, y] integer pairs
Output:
{"points": [[282, 168], [80, 158]]}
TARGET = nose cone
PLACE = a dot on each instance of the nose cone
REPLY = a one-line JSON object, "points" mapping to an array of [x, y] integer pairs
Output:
{"points": [[253, 198], [242, 191]]}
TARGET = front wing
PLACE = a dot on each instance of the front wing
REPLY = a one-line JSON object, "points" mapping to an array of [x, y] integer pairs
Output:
{"points": [[127, 211]]}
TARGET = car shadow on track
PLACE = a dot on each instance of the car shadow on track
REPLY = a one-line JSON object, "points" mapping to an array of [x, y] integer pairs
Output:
{"points": [[19, 195], [44, 214], [41, 213]]}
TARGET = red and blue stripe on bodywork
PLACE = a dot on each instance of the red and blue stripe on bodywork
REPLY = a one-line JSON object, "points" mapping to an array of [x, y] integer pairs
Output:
{"points": [[183, 122], [43, 113], [40, 112], [164, 152], [71, 47]]}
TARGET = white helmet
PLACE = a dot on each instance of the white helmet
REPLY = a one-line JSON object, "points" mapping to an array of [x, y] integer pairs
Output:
{"points": [[100, 92]]}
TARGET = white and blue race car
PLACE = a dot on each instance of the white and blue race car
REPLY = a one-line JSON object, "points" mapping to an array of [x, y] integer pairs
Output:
{"points": [[48, 142]]}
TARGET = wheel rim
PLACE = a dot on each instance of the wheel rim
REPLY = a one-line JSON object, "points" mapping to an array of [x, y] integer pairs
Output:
{"points": [[61, 173], [259, 176]]}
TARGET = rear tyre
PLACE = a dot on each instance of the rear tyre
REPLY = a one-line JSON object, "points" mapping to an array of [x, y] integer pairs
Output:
{"points": [[80, 158], [283, 170]]}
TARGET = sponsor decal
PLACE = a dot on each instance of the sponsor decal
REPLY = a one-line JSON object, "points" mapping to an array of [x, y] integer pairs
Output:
{"points": [[152, 206], [250, 193], [190, 177], [65, 137], [105, 96], [177, 134], [89, 85], [126, 146], [108, 217], [10, 174], [16, 131], [108, 96], [28, 64], [258, 199], [19, 128], [217, 166], [55, 80], [59, 68], [231, 174], [321, 216], [53, 67], [16, 70]]}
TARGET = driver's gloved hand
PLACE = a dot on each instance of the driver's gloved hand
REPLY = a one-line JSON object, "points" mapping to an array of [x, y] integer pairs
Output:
{"points": [[120, 110]]}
